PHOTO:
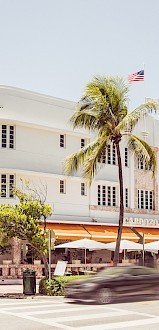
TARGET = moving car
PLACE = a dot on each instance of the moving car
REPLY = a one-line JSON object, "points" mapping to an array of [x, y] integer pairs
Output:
{"points": [[115, 282]]}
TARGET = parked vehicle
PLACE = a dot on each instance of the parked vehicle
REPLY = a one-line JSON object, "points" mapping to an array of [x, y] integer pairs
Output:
{"points": [[115, 282]]}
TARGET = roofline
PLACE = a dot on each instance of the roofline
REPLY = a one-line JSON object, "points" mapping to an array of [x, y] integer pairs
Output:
{"points": [[24, 93]]}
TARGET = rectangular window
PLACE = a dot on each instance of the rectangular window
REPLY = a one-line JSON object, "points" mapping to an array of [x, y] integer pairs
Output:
{"points": [[142, 199], [106, 195], [7, 136], [99, 195], [62, 140], [109, 154], [62, 187], [7, 184], [82, 143], [114, 155], [151, 200], [4, 136], [126, 157], [114, 196], [103, 195], [145, 199], [109, 196], [83, 189], [126, 198], [3, 185], [143, 166], [11, 137], [11, 185], [104, 157]]}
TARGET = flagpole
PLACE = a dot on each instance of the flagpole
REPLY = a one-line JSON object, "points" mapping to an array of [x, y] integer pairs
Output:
{"points": [[144, 119], [144, 83]]}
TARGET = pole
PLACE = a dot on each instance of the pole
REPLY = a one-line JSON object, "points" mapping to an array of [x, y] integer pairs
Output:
{"points": [[143, 251], [85, 258], [49, 255], [144, 83], [124, 254]]}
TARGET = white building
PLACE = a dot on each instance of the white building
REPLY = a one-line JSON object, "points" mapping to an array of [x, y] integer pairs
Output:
{"points": [[36, 137]]}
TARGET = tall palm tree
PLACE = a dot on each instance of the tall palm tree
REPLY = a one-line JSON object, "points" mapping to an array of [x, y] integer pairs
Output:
{"points": [[103, 110]]}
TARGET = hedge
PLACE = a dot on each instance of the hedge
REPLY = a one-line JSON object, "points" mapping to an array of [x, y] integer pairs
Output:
{"points": [[56, 286]]}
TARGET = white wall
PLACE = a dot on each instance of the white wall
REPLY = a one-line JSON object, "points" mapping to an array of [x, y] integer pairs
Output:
{"points": [[39, 121]]}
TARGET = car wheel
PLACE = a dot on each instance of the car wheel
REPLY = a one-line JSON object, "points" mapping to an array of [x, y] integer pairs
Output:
{"points": [[104, 296]]}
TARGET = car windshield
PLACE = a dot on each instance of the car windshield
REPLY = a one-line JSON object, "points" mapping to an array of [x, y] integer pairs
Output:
{"points": [[112, 271]]}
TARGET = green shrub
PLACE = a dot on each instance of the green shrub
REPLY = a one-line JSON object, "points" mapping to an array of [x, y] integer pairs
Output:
{"points": [[56, 286]]}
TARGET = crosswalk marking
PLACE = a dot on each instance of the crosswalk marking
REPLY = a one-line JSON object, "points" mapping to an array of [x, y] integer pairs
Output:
{"points": [[87, 317], [121, 325], [73, 312]]}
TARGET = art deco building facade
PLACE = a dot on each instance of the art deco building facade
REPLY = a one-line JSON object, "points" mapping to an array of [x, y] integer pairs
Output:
{"points": [[36, 137]]}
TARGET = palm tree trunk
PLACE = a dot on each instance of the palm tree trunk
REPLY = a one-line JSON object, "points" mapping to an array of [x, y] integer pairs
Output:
{"points": [[121, 210]]}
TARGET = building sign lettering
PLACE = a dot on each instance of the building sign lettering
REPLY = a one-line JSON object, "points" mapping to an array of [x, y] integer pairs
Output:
{"points": [[128, 221]]}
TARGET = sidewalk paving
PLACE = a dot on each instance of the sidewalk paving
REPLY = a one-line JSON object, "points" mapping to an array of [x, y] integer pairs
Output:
{"points": [[14, 291]]}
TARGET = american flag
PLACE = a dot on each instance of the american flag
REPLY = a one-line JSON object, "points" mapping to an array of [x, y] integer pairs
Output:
{"points": [[137, 76]]}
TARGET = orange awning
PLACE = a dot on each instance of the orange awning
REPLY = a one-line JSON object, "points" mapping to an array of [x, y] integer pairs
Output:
{"points": [[109, 233], [150, 234], [101, 233], [68, 231]]}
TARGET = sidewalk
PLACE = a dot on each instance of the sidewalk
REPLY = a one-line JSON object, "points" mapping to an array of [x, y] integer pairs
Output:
{"points": [[14, 291]]}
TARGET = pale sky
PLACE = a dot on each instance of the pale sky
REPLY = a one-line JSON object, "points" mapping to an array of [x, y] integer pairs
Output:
{"points": [[55, 47]]}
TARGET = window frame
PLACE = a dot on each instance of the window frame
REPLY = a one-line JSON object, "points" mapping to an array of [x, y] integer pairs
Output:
{"points": [[107, 196], [9, 182], [62, 187], [83, 189], [7, 136], [145, 199], [62, 141]]}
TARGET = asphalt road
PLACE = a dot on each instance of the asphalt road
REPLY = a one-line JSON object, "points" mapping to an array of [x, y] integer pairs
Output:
{"points": [[54, 313]]}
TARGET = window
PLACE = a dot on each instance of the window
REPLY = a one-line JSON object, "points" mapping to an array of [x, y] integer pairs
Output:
{"points": [[62, 140], [83, 189], [145, 199], [99, 195], [126, 198], [11, 185], [62, 187], [126, 157], [142, 165], [109, 154], [7, 184], [3, 185], [7, 138], [11, 137], [103, 157], [114, 196], [106, 195], [109, 196], [4, 136], [82, 143], [114, 155]]}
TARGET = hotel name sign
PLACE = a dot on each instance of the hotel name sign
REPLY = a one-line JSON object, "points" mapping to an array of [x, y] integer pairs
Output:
{"points": [[141, 222]]}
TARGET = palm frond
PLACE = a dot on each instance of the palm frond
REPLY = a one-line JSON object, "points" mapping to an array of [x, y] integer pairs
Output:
{"points": [[132, 118], [103, 101], [142, 151], [87, 158]]}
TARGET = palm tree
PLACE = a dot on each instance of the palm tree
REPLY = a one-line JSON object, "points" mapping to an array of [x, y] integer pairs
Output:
{"points": [[103, 110]]}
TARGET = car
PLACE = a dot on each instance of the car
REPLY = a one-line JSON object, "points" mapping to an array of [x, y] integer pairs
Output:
{"points": [[113, 283]]}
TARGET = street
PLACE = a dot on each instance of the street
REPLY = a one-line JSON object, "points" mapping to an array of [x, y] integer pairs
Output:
{"points": [[54, 313]]}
